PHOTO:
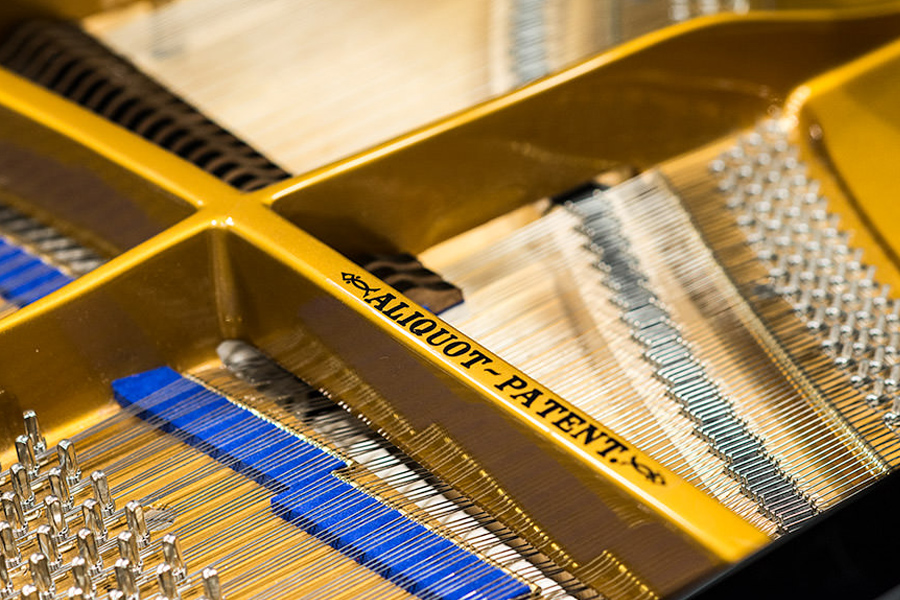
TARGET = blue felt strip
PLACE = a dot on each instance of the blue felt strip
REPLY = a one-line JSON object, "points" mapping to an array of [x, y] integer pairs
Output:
{"points": [[49, 286], [309, 496], [24, 277], [11, 253]]}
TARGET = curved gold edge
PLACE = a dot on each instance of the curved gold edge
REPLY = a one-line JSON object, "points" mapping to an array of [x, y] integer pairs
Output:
{"points": [[277, 192], [88, 177], [433, 183], [849, 141], [122, 147]]}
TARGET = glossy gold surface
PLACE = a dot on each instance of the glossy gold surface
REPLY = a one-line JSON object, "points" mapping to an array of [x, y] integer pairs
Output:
{"points": [[852, 126], [639, 104], [195, 262]]}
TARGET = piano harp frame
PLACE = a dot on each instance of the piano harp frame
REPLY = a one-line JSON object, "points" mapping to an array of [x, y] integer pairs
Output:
{"points": [[196, 262]]}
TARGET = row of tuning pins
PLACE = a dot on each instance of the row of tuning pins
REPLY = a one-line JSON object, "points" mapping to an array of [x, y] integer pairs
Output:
{"points": [[82, 588], [810, 261], [20, 532], [839, 299]]}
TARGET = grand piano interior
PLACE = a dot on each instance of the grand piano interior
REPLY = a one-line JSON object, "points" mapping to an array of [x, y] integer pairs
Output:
{"points": [[474, 299]]}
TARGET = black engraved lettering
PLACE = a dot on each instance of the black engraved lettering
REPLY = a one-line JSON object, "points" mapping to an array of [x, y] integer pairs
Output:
{"points": [[530, 396], [478, 358], [567, 422], [552, 406], [455, 349], [422, 326]]}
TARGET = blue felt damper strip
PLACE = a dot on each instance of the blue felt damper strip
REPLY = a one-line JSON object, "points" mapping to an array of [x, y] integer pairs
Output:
{"points": [[24, 277], [308, 495]]}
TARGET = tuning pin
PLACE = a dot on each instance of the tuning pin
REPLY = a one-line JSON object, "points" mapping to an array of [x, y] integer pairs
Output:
{"points": [[88, 549], [845, 358], [93, 518], [14, 513], [212, 588], [81, 576], [21, 483], [76, 593], [47, 544], [876, 396], [137, 524], [5, 579], [25, 454], [892, 417], [8, 547], [33, 431], [128, 548], [834, 338], [100, 485], [171, 549], [56, 518], [877, 362], [116, 595], [893, 380], [862, 373], [59, 487], [893, 346], [168, 589], [126, 580], [29, 592], [68, 461], [39, 565]]}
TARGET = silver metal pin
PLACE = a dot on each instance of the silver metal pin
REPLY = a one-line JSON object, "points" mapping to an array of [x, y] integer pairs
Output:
{"points": [[68, 461], [100, 485], [168, 589], [88, 549], [877, 362], [212, 587], [171, 550], [116, 595], [137, 523], [29, 592], [893, 380], [59, 487], [8, 547], [76, 593], [33, 431], [125, 579], [21, 482], [876, 397], [128, 548], [47, 544], [13, 512], [25, 454], [56, 517], [39, 565], [862, 373], [81, 575], [5, 579], [93, 518]]}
